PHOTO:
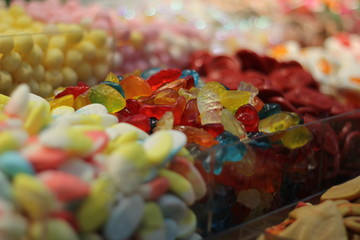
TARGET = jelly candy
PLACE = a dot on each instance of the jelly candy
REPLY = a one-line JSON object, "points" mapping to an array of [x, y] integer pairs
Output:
{"points": [[232, 100], [80, 88], [167, 96], [162, 77], [269, 109], [67, 100], [135, 86], [192, 73], [107, 96], [198, 136], [296, 137], [115, 86], [247, 114], [231, 124], [139, 120], [208, 102], [166, 122], [149, 72], [278, 122], [191, 115], [214, 129]]}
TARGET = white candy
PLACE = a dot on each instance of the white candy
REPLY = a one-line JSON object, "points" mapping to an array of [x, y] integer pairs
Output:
{"points": [[18, 103], [94, 108], [122, 128]]}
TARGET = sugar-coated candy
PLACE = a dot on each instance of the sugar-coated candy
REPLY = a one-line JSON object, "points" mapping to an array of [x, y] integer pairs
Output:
{"points": [[11, 62], [53, 229], [13, 163], [33, 196], [23, 43], [152, 225], [125, 217]]}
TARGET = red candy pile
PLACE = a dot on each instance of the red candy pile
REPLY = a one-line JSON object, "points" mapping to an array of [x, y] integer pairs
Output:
{"points": [[284, 83]]}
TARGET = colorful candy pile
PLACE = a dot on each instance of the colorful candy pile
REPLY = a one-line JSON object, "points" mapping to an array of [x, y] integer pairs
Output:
{"points": [[286, 83], [335, 64], [49, 56], [142, 42], [68, 174], [337, 217]]}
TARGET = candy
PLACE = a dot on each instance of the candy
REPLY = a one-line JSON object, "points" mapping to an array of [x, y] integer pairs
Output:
{"points": [[32, 196], [11, 62], [7, 44], [152, 225], [179, 185], [53, 229], [107, 96], [125, 217], [12, 163]]}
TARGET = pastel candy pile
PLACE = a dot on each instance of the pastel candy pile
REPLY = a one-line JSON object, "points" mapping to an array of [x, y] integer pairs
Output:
{"points": [[334, 64], [49, 56], [142, 41], [75, 174]]}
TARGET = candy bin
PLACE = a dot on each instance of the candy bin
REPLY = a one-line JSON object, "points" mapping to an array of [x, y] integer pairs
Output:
{"points": [[48, 56], [278, 170], [146, 34]]}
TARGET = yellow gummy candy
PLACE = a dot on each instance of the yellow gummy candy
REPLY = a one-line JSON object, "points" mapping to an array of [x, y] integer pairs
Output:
{"points": [[133, 152], [67, 100], [278, 122], [296, 137], [232, 100], [111, 77], [33, 196]]}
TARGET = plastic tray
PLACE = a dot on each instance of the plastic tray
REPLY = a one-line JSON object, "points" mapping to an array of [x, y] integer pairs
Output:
{"points": [[281, 176]]}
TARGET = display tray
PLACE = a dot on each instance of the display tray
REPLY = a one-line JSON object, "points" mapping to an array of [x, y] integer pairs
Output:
{"points": [[270, 176]]}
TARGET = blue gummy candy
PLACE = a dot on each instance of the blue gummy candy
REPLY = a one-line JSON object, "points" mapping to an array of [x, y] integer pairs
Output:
{"points": [[193, 73], [269, 109]]}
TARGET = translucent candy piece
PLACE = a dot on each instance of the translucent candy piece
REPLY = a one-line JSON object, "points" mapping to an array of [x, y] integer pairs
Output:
{"points": [[296, 137], [81, 101], [149, 72], [232, 100], [230, 150], [107, 96], [191, 115], [231, 124], [189, 94], [152, 110], [269, 109], [248, 116], [198, 136], [192, 73], [214, 129], [176, 85], [67, 100], [135, 86], [116, 86], [244, 86], [111, 77], [167, 96], [162, 77], [209, 104], [278, 122], [166, 122]]}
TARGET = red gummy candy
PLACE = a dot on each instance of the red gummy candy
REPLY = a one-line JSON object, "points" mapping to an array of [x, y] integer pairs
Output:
{"points": [[191, 114], [156, 111], [214, 129], [139, 120], [247, 114], [74, 90], [164, 76], [251, 61], [179, 109]]}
